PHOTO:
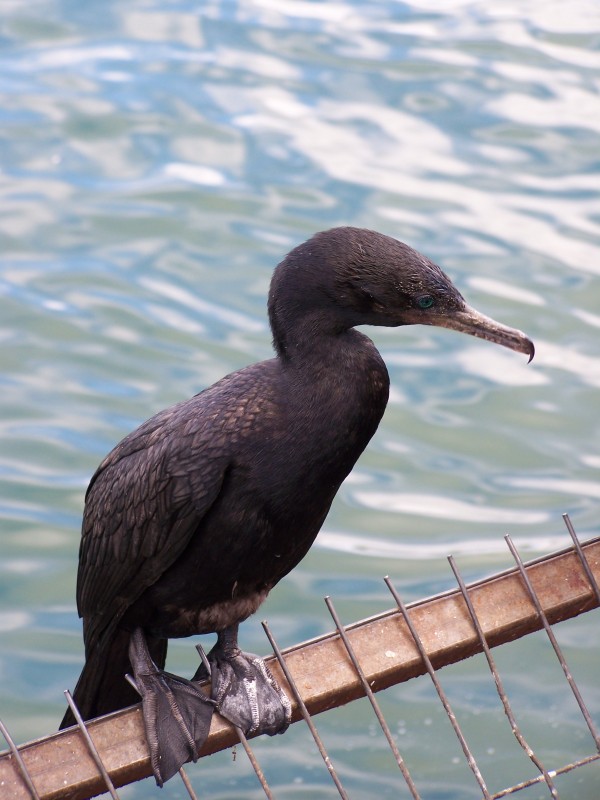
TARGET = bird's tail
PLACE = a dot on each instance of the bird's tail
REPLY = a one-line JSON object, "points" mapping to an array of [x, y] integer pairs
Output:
{"points": [[102, 686]]}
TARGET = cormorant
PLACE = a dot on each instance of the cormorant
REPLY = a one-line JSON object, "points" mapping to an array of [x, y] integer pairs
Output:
{"points": [[193, 518]]}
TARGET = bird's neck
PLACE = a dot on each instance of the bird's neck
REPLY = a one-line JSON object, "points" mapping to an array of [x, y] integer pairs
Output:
{"points": [[306, 333], [342, 372]]}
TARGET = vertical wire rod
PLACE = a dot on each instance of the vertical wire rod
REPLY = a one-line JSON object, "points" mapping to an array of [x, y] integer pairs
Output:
{"points": [[582, 557], [249, 752], [187, 783], [553, 641], [91, 746], [27, 779], [498, 681], [255, 765], [369, 692], [441, 694], [181, 771], [305, 714]]}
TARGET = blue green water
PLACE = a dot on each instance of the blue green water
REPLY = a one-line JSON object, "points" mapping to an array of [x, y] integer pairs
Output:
{"points": [[156, 161]]}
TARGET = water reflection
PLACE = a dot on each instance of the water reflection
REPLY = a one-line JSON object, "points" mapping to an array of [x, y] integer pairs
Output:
{"points": [[155, 164], [448, 508]]}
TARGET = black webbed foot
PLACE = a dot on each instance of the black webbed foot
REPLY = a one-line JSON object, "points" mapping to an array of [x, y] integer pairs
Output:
{"points": [[244, 690], [176, 712]]}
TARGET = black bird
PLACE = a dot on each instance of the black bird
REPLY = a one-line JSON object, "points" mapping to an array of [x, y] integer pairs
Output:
{"points": [[194, 517]]}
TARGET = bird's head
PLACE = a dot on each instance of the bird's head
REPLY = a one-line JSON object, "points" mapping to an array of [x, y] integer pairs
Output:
{"points": [[345, 277]]}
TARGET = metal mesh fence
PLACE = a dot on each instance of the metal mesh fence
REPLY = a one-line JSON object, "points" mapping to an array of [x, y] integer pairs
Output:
{"points": [[359, 660]]}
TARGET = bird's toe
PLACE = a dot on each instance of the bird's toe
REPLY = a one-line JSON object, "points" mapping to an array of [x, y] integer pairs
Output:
{"points": [[177, 719], [176, 713], [246, 693]]}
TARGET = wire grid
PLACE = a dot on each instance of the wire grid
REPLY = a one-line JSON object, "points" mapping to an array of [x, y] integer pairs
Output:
{"points": [[545, 776]]}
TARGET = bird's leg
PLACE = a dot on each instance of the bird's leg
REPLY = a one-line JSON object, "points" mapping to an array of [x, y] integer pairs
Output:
{"points": [[176, 712], [243, 688]]}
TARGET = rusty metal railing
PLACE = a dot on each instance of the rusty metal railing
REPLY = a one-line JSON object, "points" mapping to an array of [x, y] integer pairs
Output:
{"points": [[354, 661]]}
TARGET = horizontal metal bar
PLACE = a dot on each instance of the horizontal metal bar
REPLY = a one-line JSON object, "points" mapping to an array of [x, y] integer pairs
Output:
{"points": [[582, 762], [499, 684], [554, 642], [440, 691], [577, 545], [304, 712], [91, 746], [61, 765], [19, 763], [374, 704]]}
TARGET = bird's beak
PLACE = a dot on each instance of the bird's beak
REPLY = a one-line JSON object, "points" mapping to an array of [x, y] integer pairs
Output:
{"points": [[467, 320]]}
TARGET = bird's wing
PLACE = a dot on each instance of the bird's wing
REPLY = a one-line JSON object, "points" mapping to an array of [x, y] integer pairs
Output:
{"points": [[143, 505]]}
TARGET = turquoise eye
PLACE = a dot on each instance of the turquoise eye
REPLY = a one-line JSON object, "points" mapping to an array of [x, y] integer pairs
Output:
{"points": [[426, 301]]}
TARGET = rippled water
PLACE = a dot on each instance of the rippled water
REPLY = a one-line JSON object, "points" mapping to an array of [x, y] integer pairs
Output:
{"points": [[156, 161]]}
